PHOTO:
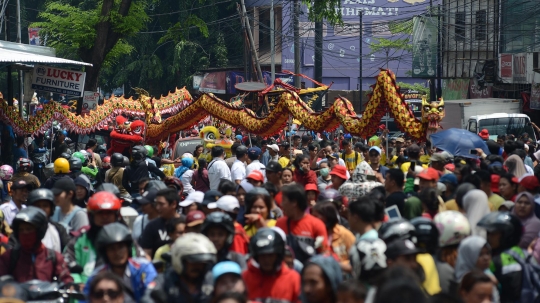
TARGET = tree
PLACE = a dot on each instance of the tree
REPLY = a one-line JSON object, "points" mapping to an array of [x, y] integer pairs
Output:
{"points": [[95, 31], [385, 45]]}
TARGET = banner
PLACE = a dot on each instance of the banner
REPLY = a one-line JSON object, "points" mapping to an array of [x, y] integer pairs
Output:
{"points": [[476, 93], [424, 43], [90, 101], [505, 67], [213, 82], [33, 36], [519, 68], [58, 80]]}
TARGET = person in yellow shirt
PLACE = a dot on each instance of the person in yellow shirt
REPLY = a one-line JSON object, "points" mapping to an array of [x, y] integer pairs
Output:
{"points": [[351, 157], [258, 207], [490, 184]]}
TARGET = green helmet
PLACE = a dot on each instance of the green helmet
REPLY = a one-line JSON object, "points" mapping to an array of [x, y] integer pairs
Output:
{"points": [[150, 151], [79, 155]]}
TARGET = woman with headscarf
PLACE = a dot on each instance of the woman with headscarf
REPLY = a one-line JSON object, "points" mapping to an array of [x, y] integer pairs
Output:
{"points": [[524, 210], [515, 166], [185, 174], [475, 253], [476, 206]]}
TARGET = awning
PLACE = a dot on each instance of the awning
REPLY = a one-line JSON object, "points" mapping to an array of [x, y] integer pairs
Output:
{"points": [[15, 56]]}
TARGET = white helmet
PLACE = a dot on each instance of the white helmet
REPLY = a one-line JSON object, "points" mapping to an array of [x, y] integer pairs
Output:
{"points": [[192, 247], [453, 227]]}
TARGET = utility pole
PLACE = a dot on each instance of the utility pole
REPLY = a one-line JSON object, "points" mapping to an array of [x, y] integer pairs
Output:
{"points": [[318, 50], [252, 43], [272, 43], [360, 32], [246, 70], [20, 72], [9, 67], [296, 17], [432, 91], [439, 54]]}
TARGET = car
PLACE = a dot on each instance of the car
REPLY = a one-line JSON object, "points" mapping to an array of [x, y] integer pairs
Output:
{"points": [[185, 145]]}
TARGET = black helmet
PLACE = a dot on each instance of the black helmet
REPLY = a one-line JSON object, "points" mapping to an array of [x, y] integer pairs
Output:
{"points": [[506, 223], [75, 164], [138, 152], [427, 234], [117, 159], [222, 220], [267, 241], [24, 164], [331, 195], [157, 184], [66, 156], [109, 187], [110, 234], [126, 162], [39, 195], [397, 229], [34, 216]]}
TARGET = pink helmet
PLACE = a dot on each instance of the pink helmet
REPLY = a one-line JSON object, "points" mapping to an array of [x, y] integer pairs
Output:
{"points": [[6, 172]]}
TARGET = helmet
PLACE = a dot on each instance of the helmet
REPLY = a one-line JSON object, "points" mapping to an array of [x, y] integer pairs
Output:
{"points": [[112, 233], [453, 227], [61, 166], [75, 164], [109, 187], [66, 156], [397, 229], [506, 223], [173, 181], [331, 195], [117, 160], [126, 161], [138, 152], [87, 156], [106, 162], [40, 194], [219, 219], [267, 241], [25, 165], [427, 234], [48, 171], [192, 247], [149, 150], [78, 155], [368, 259], [6, 172], [34, 216], [103, 200]]}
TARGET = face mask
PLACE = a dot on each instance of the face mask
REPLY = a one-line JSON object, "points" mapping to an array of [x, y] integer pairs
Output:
{"points": [[324, 171], [28, 240]]}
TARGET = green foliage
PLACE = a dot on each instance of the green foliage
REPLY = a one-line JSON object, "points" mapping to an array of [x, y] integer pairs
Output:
{"points": [[386, 45], [419, 87], [401, 27], [180, 30], [329, 10]]}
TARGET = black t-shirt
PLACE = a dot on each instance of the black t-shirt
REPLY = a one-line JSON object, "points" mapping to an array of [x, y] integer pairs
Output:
{"points": [[397, 198], [154, 235]]}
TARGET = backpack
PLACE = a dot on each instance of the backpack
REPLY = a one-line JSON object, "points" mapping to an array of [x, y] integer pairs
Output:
{"points": [[530, 283], [14, 258]]}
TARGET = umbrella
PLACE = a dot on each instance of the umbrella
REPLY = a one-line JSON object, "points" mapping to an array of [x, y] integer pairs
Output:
{"points": [[459, 142]]}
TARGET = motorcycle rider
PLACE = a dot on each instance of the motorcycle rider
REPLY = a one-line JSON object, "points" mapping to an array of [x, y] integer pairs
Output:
{"points": [[219, 228], [56, 237], [31, 259], [103, 208], [83, 192], [71, 216], [24, 170], [19, 194], [6, 173], [61, 170], [116, 173], [188, 280], [75, 166], [113, 245], [137, 170]]}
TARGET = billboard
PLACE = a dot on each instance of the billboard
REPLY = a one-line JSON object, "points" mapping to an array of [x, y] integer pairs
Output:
{"points": [[505, 67], [58, 80], [424, 43]]}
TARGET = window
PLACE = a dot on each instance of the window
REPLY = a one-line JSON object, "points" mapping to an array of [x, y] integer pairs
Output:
{"points": [[459, 31], [481, 24], [472, 126]]}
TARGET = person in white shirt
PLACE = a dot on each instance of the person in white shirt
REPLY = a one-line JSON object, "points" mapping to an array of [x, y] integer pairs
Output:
{"points": [[273, 150], [238, 169], [217, 168], [254, 153], [19, 193]]}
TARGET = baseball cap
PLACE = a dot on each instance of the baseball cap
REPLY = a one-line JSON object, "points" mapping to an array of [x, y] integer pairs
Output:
{"points": [[429, 174], [377, 149], [530, 183], [254, 151], [413, 148], [438, 157], [194, 197], [400, 140], [148, 196], [195, 217], [61, 185], [333, 156], [225, 267], [226, 203], [211, 197], [449, 178], [274, 166], [274, 147], [256, 175], [401, 248], [340, 171]]}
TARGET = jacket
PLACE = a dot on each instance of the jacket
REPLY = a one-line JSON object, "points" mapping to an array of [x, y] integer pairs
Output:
{"points": [[50, 182], [136, 171], [172, 290], [342, 241], [39, 265], [91, 172], [28, 177], [240, 241], [303, 179], [283, 286], [509, 274], [81, 250], [141, 274], [114, 176], [331, 270]]}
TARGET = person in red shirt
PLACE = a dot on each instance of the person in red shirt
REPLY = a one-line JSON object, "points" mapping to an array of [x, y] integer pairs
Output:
{"points": [[306, 234], [302, 173], [268, 278]]}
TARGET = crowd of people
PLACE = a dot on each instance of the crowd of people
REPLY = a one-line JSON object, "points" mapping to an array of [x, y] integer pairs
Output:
{"points": [[302, 219]]}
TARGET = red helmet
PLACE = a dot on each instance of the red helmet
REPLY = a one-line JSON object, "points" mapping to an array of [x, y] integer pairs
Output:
{"points": [[174, 182], [106, 161], [103, 201]]}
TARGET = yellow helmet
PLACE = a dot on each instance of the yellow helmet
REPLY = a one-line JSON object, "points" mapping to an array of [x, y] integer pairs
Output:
{"points": [[61, 166]]}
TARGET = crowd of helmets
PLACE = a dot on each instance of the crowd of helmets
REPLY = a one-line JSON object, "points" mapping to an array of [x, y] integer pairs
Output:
{"points": [[303, 219]]}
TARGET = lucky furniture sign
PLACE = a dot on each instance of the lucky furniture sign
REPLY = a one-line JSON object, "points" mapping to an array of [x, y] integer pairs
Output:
{"points": [[58, 80]]}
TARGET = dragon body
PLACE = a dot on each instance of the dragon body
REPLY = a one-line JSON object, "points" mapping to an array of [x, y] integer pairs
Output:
{"points": [[184, 113]]}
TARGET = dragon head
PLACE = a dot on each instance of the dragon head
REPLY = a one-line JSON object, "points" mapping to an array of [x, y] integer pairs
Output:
{"points": [[137, 127], [432, 113]]}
